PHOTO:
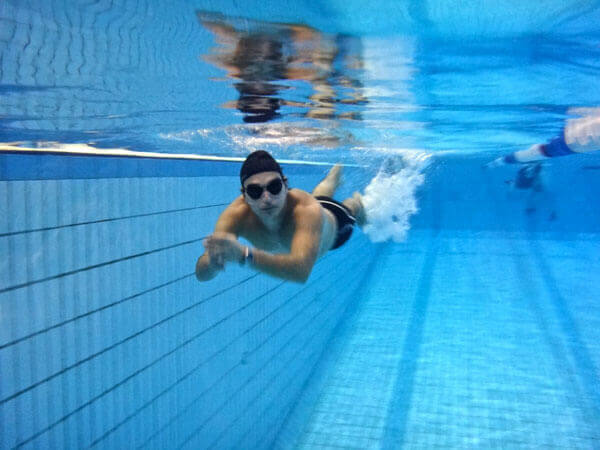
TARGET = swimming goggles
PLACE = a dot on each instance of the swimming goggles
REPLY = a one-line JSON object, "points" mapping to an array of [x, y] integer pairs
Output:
{"points": [[255, 191]]}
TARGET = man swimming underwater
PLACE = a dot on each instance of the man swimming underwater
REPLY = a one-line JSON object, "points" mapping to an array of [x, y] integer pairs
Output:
{"points": [[289, 228]]}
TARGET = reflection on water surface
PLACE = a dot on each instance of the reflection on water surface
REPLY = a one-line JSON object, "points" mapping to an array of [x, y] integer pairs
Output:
{"points": [[289, 72]]}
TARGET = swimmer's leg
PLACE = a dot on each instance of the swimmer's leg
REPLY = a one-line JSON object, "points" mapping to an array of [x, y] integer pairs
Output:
{"points": [[328, 186], [330, 183], [355, 205]]}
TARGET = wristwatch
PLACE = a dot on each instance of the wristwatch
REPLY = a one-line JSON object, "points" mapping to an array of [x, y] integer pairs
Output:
{"points": [[248, 256]]}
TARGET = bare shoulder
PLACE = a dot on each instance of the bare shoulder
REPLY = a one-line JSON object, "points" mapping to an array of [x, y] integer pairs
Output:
{"points": [[305, 208], [235, 216], [302, 197], [238, 207]]}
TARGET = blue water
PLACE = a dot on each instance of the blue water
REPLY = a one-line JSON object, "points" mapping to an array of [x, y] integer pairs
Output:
{"points": [[478, 330], [434, 77], [475, 362]]}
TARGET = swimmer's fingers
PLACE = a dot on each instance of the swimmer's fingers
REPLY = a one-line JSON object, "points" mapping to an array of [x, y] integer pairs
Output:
{"points": [[498, 162], [215, 252], [218, 239], [216, 260], [219, 261], [226, 246], [208, 243], [214, 244]]}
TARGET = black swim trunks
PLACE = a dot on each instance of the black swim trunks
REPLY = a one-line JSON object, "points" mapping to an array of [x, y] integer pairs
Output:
{"points": [[343, 216]]}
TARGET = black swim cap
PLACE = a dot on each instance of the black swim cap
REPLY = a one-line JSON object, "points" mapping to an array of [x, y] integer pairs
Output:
{"points": [[256, 162]]}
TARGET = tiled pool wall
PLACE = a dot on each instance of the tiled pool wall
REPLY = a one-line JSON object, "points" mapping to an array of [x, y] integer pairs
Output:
{"points": [[106, 337]]}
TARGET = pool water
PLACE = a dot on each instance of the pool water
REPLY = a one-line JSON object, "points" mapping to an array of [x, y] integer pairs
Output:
{"points": [[442, 352], [477, 326]]}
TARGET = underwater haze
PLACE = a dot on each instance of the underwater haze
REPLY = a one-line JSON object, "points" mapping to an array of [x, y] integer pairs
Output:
{"points": [[464, 314]]}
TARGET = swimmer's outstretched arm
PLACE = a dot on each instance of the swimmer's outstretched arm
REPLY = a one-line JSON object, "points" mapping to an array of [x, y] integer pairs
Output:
{"points": [[294, 266], [537, 152]]}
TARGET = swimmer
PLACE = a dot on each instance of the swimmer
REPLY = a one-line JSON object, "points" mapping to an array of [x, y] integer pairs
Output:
{"points": [[288, 228], [581, 135]]}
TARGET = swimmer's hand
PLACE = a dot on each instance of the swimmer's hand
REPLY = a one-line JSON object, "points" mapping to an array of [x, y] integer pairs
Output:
{"points": [[223, 247], [220, 248], [498, 162]]}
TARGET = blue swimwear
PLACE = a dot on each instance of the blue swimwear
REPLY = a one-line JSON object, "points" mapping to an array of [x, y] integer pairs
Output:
{"points": [[556, 147]]}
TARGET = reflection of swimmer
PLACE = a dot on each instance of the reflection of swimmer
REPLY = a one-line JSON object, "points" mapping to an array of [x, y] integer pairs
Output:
{"points": [[331, 59], [256, 104], [259, 54], [257, 60], [580, 135]]}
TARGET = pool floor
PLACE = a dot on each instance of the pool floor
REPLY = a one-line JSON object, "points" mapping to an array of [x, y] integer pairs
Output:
{"points": [[465, 340]]}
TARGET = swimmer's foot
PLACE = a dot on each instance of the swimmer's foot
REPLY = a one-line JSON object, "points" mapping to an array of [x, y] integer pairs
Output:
{"points": [[361, 216], [330, 183], [334, 177]]}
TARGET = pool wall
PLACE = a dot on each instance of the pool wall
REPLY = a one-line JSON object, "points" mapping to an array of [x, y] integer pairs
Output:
{"points": [[460, 194], [106, 337]]}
